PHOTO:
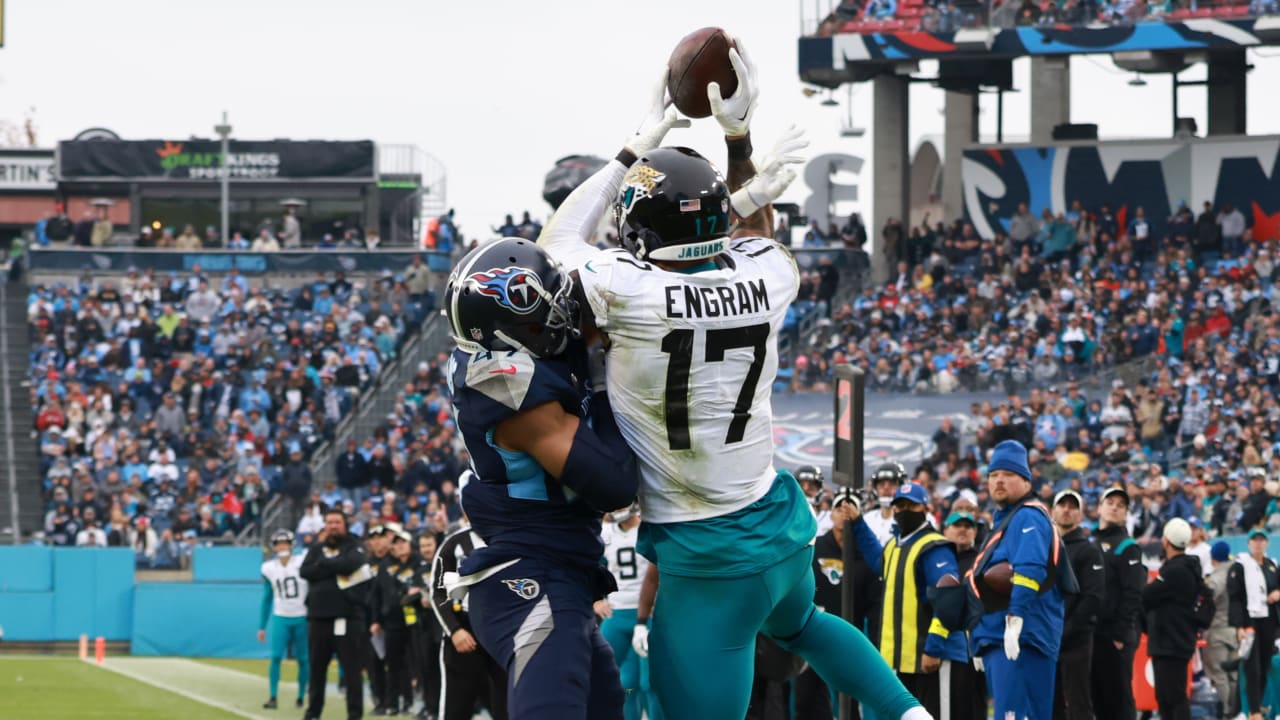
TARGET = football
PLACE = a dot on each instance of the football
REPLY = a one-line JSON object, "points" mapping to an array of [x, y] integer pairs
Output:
{"points": [[701, 57], [999, 577]]}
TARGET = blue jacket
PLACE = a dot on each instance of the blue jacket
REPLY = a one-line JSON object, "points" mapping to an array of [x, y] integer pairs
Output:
{"points": [[1028, 544], [931, 567]]}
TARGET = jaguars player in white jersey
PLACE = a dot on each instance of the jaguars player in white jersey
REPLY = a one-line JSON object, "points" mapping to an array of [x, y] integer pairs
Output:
{"points": [[692, 317], [618, 611], [283, 620]]}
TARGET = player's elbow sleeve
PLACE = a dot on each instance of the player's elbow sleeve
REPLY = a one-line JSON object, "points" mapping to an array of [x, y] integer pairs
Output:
{"points": [[604, 476]]}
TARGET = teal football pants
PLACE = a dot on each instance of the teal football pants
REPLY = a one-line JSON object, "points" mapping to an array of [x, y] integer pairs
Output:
{"points": [[633, 669], [281, 632], [702, 647]]}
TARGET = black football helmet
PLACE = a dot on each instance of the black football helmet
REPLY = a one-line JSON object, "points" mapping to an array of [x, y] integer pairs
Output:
{"points": [[509, 294], [281, 536], [889, 472], [808, 473], [674, 205]]}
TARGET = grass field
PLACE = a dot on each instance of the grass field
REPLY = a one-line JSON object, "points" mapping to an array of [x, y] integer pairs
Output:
{"points": [[288, 671], [145, 688], [57, 688]]}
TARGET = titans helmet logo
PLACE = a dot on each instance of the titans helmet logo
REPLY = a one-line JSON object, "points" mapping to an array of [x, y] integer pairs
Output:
{"points": [[514, 288], [524, 587]]}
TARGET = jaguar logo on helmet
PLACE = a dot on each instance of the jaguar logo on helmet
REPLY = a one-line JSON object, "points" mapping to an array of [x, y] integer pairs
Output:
{"points": [[639, 184], [514, 288]]}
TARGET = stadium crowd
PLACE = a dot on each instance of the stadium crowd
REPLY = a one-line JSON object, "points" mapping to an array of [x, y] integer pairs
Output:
{"points": [[951, 15], [1054, 302], [168, 409]]}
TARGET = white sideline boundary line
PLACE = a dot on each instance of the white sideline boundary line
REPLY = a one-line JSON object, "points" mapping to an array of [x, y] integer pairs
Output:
{"points": [[176, 690]]}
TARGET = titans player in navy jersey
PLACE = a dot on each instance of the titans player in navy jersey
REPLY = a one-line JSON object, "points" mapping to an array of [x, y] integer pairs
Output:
{"points": [[549, 461]]}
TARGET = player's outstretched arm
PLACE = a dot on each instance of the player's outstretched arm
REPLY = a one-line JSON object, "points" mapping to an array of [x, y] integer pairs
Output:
{"points": [[567, 232], [594, 463], [754, 200], [264, 610]]}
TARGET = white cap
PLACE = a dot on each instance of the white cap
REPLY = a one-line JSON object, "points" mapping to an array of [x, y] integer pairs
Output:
{"points": [[1177, 532]]}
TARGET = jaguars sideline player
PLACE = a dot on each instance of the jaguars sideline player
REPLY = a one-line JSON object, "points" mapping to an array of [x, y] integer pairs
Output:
{"points": [[692, 316], [548, 462], [618, 611], [283, 620]]}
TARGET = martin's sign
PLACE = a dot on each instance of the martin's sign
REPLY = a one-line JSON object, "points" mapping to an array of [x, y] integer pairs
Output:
{"points": [[28, 170], [203, 160]]}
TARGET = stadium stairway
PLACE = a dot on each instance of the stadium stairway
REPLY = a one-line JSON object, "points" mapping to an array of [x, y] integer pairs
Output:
{"points": [[20, 473], [368, 415]]}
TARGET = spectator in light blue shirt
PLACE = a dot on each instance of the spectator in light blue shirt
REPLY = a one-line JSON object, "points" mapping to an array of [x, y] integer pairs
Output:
{"points": [[255, 398]]}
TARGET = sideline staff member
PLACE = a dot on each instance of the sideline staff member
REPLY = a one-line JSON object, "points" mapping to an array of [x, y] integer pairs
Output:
{"points": [[337, 573], [1017, 638]]}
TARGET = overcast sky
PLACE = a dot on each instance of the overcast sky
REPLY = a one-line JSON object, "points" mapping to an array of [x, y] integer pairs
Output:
{"points": [[497, 90]]}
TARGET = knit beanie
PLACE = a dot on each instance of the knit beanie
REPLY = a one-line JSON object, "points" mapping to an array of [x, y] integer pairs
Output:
{"points": [[1010, 455]]}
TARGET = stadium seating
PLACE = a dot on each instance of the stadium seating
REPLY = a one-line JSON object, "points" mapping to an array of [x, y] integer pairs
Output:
{"points": [[179, 400], [912, 15]]}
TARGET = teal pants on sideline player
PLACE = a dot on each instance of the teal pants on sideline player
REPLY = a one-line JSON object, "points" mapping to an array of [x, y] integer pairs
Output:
{"points": [[633, 669], [702, 647], [281, 632]]}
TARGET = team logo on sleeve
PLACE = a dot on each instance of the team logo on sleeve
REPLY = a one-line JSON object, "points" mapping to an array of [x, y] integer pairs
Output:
{"points": [[524, 587], [639, 184], [515, 288]]}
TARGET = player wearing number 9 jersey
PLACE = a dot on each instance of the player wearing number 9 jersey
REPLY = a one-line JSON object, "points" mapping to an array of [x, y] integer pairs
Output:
{"points": [[692, 318], [283, 619], [629, 568]]}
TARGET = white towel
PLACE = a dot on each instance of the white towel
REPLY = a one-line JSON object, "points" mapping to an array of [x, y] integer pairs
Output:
{"points": [[1255, 585]]}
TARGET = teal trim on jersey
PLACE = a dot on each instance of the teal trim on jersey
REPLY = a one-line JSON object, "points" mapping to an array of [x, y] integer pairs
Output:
{"points": [[741, 543], [702, 267], [281, 633], [526, 480]]}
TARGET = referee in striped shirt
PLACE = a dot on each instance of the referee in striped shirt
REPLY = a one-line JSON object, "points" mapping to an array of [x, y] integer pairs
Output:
{"points": [[467, 672]]}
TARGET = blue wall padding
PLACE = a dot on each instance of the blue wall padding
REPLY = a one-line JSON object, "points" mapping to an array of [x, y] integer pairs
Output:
{"points": [[26, 569], [113, 597], [220, 564], [75, 581], [197, 620], [27, 615]]}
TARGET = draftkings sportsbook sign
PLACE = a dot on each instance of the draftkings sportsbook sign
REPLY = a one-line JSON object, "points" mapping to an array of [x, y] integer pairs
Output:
{"points": [[203, 159]]}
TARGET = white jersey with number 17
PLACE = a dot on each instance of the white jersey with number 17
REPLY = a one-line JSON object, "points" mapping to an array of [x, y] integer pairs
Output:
{"points": [[287, 586], [690, 371]]}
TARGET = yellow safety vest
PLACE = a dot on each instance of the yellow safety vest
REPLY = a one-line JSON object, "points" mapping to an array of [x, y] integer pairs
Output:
{"points": [[904, 620]]}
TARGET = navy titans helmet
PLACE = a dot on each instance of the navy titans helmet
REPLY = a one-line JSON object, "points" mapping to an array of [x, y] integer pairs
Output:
{"points": [[674, 205], [510, 295]]}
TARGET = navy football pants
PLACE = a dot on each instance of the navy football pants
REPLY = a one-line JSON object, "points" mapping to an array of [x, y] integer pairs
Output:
{"points": [[536, 620]]}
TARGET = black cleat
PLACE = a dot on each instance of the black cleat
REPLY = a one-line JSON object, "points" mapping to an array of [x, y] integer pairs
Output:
{"points": [[298, 704], [379, 711], [269, 705]]}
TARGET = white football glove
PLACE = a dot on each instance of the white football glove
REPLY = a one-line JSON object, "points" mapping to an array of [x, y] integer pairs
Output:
{"points": [[640, 640], [734, 112], [1012, 631], [661, 117], [977, 664], [772, 174]]}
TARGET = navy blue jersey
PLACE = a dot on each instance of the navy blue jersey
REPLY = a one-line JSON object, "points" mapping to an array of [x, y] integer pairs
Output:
{"points": [[515, 506]]}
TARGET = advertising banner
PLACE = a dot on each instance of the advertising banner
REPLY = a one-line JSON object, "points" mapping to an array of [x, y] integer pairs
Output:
{"points": [[203, 159]]}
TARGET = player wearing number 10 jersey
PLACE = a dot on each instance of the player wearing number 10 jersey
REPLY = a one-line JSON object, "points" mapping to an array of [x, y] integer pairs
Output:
{"points": [[692, 318], [283, 620]]}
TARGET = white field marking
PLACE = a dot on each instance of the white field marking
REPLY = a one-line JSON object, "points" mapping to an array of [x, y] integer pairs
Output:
{"points": [[118, 666]]}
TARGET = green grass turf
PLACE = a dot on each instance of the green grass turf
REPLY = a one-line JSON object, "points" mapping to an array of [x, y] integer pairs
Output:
{"points": [[288, 670], [57, 688]]}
